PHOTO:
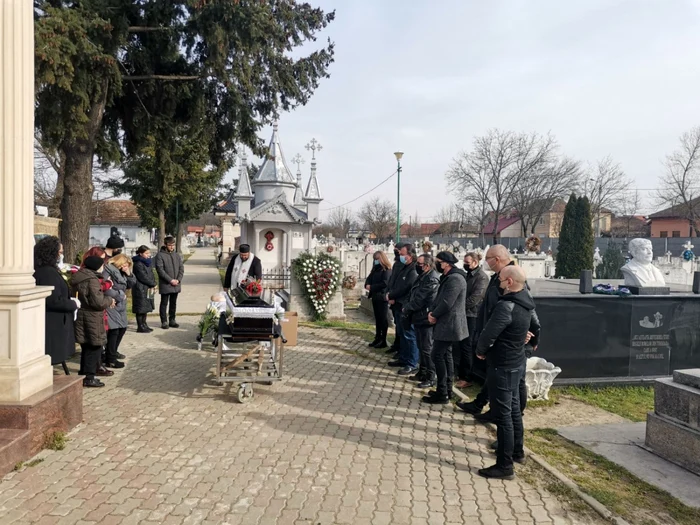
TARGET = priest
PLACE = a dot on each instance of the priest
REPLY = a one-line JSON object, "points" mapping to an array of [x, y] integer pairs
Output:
{"points": [[243, 267]]}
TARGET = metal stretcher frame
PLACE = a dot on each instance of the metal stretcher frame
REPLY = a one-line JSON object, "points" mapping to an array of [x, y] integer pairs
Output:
{"points": [[262, 363]]}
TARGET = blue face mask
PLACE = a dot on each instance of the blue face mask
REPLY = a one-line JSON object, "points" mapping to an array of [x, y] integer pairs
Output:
{"points": [[376, 262], [402, 258]]}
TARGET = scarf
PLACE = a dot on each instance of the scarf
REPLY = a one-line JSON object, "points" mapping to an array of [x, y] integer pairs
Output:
{"points": [[240, 270], [138, 258]]}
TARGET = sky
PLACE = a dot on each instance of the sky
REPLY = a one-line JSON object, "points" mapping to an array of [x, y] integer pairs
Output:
{"points": [[605, 77]]}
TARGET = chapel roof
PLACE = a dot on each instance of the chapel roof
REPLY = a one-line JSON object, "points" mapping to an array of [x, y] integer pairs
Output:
{"points": [[274, 169]]}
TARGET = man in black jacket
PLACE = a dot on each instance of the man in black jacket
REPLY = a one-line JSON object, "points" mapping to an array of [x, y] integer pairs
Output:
{"points": [[396, 315], [242, 267], [398, 295], [502, 345], [415, 312]]}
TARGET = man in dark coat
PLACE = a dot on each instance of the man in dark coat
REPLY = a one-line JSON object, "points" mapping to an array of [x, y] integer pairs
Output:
{"points": [[395, 269], [477, 282], [416, 311], [242, 267], [170, 268], [502, 345], [60, 306], [398, 295], [450, 320]]}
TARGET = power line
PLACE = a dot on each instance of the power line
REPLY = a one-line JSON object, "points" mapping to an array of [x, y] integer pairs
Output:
{"points": [[359, 197]]}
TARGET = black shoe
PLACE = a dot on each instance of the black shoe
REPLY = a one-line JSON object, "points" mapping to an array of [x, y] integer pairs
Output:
{"points": [[94, 383], [381, 344], [434, 393], [164, 326], [521, 459], [103, 372], [142, 330], [420, 377], [469, 407], [120, 356], [392, 350], [114, 364], [496, 472], [428, 383], [173, 324], [396, 364], [436, 399], [494, 445], [373, 344], [148, 328], [406, 371], [486, 417]]}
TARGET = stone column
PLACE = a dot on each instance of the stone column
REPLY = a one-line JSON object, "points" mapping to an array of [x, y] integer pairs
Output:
{"points": [[227, 234], [24, 369]]}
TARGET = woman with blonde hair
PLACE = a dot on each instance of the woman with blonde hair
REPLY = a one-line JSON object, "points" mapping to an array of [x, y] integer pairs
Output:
{"points": [[118, 271], [376, 285]]}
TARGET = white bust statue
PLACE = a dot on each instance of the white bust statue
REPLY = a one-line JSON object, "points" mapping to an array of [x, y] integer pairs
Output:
{"points": [[639, 271]]}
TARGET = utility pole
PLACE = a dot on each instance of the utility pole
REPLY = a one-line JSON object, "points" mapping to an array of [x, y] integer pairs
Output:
{"points": [[398, 155]]}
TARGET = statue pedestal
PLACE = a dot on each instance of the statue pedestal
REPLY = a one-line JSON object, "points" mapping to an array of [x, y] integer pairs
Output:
{"points": [[649, 290], [533, 265]]}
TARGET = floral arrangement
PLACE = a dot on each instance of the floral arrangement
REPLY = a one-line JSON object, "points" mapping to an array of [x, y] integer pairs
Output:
{"points": [[350, 282], [427, 247], [533, 244], [253, 288], [329, 249], [208, 323], [67, 271], [319, 276], [688, 255]]}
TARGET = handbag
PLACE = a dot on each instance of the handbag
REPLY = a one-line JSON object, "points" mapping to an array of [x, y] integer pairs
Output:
{"points": [[152, 299]]}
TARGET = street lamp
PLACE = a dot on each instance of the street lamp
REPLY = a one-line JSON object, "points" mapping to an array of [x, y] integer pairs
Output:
{"points": [[398, 155]]}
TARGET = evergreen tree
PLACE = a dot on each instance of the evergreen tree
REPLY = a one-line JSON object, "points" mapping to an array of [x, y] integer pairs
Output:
{"points": [[612, 261], [567, 240], [585, 240]]}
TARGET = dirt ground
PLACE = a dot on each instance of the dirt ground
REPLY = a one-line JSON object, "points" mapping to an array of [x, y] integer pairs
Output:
{"points": [[568, 412]]}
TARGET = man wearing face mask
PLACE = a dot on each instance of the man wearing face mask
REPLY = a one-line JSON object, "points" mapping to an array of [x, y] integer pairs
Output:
{"points": [[416, 313], [398, 295], [395, 269], [501, 344], [114, 246]]}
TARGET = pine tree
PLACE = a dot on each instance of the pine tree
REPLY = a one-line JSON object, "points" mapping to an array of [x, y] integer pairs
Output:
{"points": [[612, 261], [567, 240]]}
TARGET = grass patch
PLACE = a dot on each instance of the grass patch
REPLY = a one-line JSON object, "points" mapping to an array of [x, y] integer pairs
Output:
{"points": [[34, 462], [610, 484], [364, 331], [222, 275], [631, 402], [56, 441]]}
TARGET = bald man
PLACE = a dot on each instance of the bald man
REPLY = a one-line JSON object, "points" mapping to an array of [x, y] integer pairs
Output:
{"points": [[502, 345]]}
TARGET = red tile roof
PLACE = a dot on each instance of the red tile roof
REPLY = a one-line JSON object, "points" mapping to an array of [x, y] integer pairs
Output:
{"points": [[503, 223], [115, 213]]}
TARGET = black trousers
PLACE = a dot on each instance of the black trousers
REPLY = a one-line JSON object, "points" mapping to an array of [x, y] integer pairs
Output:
{"points": [[482, 398], [89, 357], [424, 338], [165, 312], [381, 319], [444, 367], [114, 339], [463, 353], [504, 393]]}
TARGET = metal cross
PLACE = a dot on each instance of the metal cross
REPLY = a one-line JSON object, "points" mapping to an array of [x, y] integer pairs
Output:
{"points": [[313, 146], [298, 160]]}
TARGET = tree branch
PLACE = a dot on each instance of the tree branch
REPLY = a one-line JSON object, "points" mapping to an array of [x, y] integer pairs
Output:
{"points": [[144, 29], [160, 77]]}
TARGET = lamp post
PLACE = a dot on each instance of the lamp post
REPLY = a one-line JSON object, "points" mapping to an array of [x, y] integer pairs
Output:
{"points": [[398, 155]]}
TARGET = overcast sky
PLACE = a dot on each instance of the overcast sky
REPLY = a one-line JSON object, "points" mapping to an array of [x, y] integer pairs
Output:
{"points": [[606, 77]]}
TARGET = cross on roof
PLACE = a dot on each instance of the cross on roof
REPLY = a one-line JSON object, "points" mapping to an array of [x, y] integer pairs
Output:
{"points": [[313, 146], [298, 160]]}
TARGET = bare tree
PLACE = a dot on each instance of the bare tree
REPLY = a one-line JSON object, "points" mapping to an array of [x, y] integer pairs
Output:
{"points": [[538, 191], [628, 209], [340, 222], [497, 166], [605, 183], [680, 184], [378, 217], [449, 218], [413, 228]]}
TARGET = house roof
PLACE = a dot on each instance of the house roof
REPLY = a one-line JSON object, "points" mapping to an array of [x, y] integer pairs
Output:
{"points": [[675, 212], [228, 205], [503, 223], [115, 213]]}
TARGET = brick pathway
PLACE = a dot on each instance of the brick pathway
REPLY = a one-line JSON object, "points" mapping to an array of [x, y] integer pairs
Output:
{"points": [[341, 440]]}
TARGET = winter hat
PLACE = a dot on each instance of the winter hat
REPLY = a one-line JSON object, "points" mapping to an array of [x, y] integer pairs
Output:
{"points": [[93, 263], [447, 257], [244, 248], [114, 243]]}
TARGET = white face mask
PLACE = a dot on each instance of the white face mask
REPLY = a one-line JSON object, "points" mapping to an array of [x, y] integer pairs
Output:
{"points": [[60, 260]]}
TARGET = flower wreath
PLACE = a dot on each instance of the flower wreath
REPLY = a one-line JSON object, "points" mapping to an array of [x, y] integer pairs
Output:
{"points": [[350, 282], [254, 288], [268, 245], [688, 255], [533, 244], [320, 278]]}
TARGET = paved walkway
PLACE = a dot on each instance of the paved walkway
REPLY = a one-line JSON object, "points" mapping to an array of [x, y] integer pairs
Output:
{"points": [[341, 440], [201, 280]]}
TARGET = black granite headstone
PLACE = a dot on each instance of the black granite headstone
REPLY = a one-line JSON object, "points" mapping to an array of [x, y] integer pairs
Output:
{"points": [[649, 290], [696, 282], [585, 284]]}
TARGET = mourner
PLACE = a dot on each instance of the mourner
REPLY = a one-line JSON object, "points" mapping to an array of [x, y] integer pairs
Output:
{"points": [[376, 286], [170, 268]]}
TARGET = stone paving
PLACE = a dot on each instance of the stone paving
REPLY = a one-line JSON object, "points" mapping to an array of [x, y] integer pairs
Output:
{"points": [[341, 440]]}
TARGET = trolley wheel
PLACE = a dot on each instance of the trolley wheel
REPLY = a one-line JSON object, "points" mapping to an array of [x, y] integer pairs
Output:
{"points": [[245, 393]]}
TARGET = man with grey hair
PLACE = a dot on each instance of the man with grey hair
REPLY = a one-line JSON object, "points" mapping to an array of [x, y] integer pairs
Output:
{"points": [[640, 271]]}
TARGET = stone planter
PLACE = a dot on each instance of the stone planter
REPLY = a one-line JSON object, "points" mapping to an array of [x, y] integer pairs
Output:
{"points": [[539, 376]]}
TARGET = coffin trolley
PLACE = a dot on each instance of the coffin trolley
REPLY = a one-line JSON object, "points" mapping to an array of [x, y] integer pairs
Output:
{"points": [[250, 349]]}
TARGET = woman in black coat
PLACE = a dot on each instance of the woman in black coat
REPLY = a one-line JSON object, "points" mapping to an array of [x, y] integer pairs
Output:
{"points": [[376, 284], [145, 281], [60, 307]]}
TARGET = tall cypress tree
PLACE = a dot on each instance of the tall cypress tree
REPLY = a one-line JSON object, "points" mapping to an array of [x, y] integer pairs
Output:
{"points": [[567, 239], [585, 240]]}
